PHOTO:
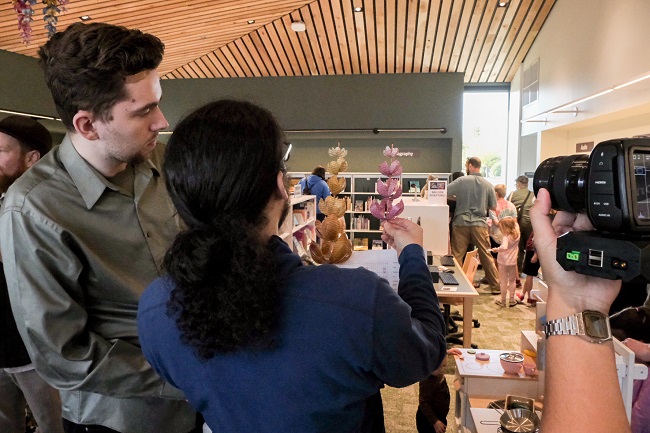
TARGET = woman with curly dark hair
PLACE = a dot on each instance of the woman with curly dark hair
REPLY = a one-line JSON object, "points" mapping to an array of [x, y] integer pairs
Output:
{"points": [[257, 341]]}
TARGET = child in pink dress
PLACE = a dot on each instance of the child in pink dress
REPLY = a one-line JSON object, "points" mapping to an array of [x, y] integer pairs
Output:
{"points": [[507, 260]]}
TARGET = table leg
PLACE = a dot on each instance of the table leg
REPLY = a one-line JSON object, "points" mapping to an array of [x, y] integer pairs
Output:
{"points": [[468, 306]]}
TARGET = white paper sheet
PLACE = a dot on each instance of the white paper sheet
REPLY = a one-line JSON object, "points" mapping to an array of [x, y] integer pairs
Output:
{"points": [[382, 262]]}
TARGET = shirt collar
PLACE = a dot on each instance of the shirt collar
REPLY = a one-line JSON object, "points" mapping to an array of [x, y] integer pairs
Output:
{"points": [[90, 183]]}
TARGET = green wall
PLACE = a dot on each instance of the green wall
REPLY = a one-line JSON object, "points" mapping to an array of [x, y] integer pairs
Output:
{"points": [[388, 101]]}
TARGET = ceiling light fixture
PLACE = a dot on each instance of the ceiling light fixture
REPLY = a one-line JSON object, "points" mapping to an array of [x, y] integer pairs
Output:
{"points": [[85, 18], [358, 9], [251, 21], [503, 4], [298, 26]]}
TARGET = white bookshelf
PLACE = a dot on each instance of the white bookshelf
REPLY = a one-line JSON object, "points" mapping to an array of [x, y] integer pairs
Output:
{"points": [[300, 224]]}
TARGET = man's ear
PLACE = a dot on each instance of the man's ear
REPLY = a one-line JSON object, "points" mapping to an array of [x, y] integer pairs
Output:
{"points": [[281, 184], [31, 157], [84, 125]]}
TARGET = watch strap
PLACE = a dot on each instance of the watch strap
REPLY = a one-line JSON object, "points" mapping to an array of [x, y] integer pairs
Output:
{"points": [[571, 325]]}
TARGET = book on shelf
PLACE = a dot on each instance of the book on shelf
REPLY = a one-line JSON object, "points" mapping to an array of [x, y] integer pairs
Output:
{"points": [[358, 205], [360, 244], [377, 244], [299, 216]]}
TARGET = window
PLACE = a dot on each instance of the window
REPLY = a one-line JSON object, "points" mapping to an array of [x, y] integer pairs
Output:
{"points": [[530, 84], [485, 131]]}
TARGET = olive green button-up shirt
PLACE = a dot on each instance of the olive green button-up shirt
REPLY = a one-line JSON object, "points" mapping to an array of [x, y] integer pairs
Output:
{"points": [[78, 252]]}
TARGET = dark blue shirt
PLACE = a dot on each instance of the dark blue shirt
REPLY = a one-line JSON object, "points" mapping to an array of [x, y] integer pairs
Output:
{"points": [[344, 334]]}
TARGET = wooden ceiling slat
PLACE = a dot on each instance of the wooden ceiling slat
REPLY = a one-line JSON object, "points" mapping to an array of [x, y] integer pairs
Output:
{"points": [[371, 36], [472, 36], [258, 68], [229, 56], [269, 35], [218, 64], [450, 38], [362, 41], [410, 35], [508, 43], [401, 13], [530, 38], [523, 32], [342, 39], [380, 32], [492, 29], [208, 38], [261, 53], [500, 40], [391, 26], [443, 25], [330, 34], [305, 60], [420, 34], [461, 36], [320, 53], [351, 34], [431, 35]]}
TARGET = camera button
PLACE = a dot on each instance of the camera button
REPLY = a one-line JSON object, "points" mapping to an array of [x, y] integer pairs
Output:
{"points": [[602, 158], [604, 213], [601, 182]]}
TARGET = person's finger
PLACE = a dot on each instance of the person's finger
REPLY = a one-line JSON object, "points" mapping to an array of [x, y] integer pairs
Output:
{"points": [[545, 236]]}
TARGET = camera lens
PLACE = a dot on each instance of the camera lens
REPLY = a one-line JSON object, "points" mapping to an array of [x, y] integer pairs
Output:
{"points": [[565, 179]]}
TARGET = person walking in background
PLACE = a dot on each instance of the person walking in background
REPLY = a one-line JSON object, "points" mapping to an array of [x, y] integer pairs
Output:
{"points": [[531, 269], [272, 345], [23, 141], [85, 230], [474, 197], [315, 184], [523, 199], [504, 209], [507, 258]]}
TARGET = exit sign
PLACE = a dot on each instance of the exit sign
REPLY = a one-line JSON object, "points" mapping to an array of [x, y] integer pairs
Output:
{"points": [[584, 147]]}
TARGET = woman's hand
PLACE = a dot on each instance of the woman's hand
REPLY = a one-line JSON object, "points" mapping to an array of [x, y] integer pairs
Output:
{"points": [[569, 292], [401, 232]]}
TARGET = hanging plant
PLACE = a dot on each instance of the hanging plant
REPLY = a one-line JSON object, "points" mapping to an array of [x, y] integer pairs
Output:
{"points": [[24, 11], [390, 190], [51, 13]]}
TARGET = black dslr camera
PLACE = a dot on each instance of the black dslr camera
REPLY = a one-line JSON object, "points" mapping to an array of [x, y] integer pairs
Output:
{"points": [[612, 186]]}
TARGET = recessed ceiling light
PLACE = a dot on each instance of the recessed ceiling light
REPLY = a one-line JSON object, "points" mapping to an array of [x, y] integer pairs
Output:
{"points": [[503, 4], [298, 26], [358, 9], [85, 18], [251, 21]]}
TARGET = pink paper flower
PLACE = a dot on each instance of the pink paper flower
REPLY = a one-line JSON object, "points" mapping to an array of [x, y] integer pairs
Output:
{"points": [[384, 210], [391, 152], [392, 170], [392, 188]]}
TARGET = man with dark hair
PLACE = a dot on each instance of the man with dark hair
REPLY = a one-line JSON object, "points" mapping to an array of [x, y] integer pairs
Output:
{"points": [[474, 197], [84, 231], [23, 141], [315, 184]]}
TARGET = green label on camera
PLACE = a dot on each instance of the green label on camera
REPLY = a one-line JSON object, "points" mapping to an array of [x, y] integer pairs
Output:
{"points": [[573, 255]]}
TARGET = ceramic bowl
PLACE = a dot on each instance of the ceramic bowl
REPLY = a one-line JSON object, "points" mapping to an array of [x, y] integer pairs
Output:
{"points": [[511, 362]]}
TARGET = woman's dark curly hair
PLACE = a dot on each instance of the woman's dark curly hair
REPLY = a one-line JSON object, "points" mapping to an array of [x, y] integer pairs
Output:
{"points": [[221, 167]]}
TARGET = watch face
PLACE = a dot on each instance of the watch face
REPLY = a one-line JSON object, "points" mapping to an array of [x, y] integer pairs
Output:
{"points": [[596, 324]]}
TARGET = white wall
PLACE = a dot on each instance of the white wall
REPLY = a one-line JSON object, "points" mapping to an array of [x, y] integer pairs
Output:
{"points": [[584, 47]]}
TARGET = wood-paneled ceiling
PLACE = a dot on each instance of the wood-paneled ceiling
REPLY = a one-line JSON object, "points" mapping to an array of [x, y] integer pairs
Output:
{"points": [[213, 38]]}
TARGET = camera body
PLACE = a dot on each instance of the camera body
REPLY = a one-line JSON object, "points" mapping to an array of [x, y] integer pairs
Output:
{"points": [[612, 186]]}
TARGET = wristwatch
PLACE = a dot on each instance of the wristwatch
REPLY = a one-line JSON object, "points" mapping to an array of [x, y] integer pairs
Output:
{"points": [[591, 325]]}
